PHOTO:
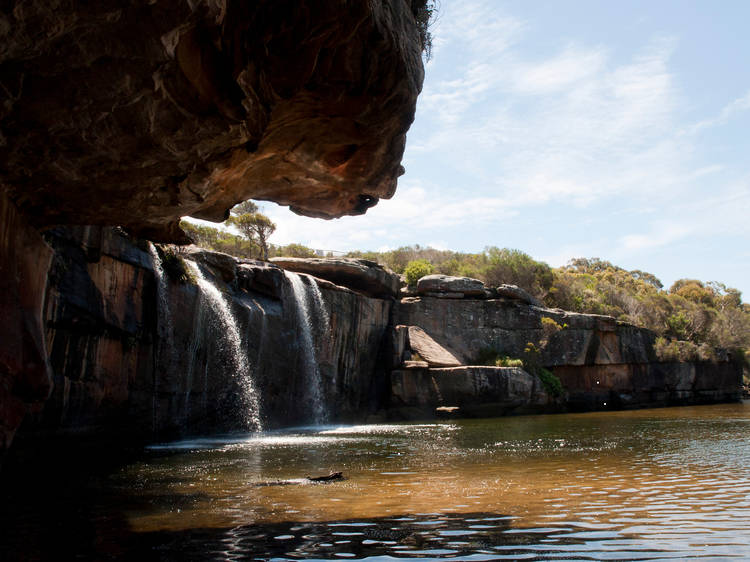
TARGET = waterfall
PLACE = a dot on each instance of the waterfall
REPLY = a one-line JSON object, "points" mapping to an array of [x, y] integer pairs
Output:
{"points": [[309, 358], [228, 330], [164, 329]]}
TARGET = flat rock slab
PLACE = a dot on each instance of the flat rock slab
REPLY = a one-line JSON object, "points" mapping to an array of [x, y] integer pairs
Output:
{"points": [[431, 351], [365, 276], [431, 285]]}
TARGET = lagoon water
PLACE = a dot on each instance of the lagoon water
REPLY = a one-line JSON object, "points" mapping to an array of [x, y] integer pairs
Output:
{"points": [[658, 484]]}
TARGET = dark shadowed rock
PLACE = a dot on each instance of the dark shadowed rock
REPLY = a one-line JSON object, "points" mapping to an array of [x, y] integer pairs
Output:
{"points": [[448, 285], [476, 391], [138, 113], [25, 377], [361, 275]]}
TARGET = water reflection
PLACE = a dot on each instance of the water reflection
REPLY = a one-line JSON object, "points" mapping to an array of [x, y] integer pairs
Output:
{"points": [[649, 484]]}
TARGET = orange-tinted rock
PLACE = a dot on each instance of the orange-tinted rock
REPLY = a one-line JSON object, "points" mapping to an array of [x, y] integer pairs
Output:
{"points": [[136, 114]]}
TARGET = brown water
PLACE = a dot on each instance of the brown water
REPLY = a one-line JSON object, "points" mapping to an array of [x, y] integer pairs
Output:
{"points": [[669, 483]]}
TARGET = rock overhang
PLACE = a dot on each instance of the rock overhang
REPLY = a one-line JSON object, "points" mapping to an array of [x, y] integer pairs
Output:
{"points": [[306, 104]]}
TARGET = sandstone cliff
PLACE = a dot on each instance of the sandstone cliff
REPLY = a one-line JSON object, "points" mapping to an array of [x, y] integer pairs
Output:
{"points": [[135, 358]]}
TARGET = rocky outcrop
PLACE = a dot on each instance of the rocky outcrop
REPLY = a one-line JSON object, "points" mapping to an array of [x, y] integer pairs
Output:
{"points": [[471, 326], [364, 276], [136, 114], [447, 286], [467, 391], [601, 363]]}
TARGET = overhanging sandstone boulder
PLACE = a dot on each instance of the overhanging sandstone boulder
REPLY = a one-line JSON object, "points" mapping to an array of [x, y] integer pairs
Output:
{"points": [[139, 113], [361, 275]]}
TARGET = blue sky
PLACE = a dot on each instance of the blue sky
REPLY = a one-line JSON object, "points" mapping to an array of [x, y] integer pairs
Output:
{"points": [[611, 129]]}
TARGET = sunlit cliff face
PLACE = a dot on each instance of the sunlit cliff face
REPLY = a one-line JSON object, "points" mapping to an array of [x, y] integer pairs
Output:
{"points": [[305, 104]]}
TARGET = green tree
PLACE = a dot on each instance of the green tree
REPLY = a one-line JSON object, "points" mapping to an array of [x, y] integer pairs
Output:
{"points": [[256, 227]]}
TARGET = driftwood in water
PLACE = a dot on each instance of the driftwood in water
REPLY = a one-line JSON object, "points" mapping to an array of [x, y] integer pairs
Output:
{"points": [[332, 477], [329, 478]]}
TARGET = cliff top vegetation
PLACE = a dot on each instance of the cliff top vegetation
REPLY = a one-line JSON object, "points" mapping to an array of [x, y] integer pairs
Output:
{"points": [[692, 317]]}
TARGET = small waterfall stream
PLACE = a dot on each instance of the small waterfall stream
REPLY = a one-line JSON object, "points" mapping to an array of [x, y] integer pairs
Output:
{"points": [[165, 332], [229, 331], [303, 294]]}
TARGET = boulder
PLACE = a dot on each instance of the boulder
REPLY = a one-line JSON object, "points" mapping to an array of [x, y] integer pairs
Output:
{"points": [[364, 276], [136, 114], [515, 292], [431, 351], [220, 263], [434, 285], [260, 277]]}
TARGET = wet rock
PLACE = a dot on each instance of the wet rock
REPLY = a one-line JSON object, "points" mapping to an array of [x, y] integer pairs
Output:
{"points": [[450, 287], [25, 377], [365, 276], [260, 277], [220, 263]]}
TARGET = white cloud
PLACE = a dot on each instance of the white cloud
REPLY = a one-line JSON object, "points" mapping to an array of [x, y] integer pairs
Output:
{"points": [[736, 107]]}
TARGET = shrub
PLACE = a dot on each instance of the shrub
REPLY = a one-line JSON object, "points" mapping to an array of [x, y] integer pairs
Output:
{"points": [[176, 268], [551, 383], [487, 356], [417, 269], [506, 361]]}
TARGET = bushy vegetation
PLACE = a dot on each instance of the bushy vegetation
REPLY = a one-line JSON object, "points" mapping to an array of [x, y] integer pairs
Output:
{"points": [[705, 315], [424, 12], [174, 267], [698, 316], [417, 269], [551, 383]]}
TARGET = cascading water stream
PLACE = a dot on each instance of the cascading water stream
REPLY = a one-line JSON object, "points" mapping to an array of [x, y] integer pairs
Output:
{"points": [[230, 333], [309, 359], [163, 327]]}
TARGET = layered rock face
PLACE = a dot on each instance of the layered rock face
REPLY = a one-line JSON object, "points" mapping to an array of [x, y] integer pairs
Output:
{"points": [[137, 353], [601, 363], [136, 114]]}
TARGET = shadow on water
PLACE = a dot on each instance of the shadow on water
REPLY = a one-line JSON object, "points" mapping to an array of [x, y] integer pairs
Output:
{"points": [[467, 536]]}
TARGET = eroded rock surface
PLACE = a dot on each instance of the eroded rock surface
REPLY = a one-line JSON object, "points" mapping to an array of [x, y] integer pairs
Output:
{"points": [[361, 275], [137, 113]]}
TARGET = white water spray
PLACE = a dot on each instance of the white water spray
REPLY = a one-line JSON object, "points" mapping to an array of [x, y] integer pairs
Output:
{"points": [[163, 327], [231, 335], [310, 362]]}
